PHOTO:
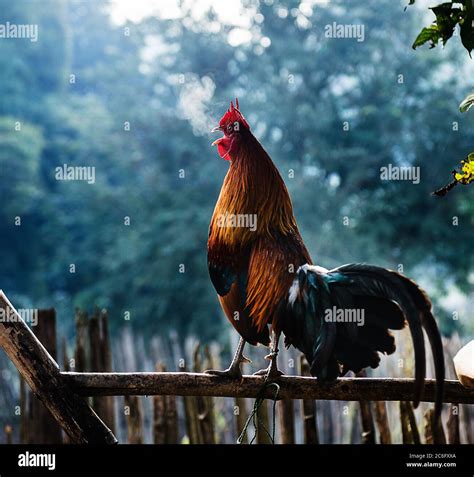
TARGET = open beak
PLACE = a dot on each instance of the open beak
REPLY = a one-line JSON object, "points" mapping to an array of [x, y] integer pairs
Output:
{"points": [[217, 128]]}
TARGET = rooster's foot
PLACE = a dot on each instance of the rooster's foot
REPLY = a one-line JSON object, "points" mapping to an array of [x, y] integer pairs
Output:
{"points": [[272, 372], [233, 371]]}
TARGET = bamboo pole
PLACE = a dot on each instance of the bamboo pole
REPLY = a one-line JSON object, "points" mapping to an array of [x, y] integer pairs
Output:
{"points": [[381, 418], [407, 437], [165, 417], [43, 428], [240, 413], [42, 374], [134, 420], [411, 419], [204, 406], [308, 410], [433, 435], [263, 425], [291, 387], [367, 421], [286, 414], [100, 361], [159, 414], [8, 434], [453, 425], [81, 351], [193, 429], [410, 432], [24, 412], [367, 418]]}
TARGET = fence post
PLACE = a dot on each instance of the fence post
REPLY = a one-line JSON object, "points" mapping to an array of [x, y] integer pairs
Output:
{"points": [[367, 419], [381, 418], [43, 428], [453, 424], [308, 410], [43, 376]]}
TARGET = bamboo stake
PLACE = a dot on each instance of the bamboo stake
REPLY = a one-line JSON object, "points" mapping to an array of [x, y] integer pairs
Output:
{"points": [[367, 419], [409, 428], [204, 407], [262, 424], [192, 426], [81, 351], [381, 418], [8, 434], [407, 437], [171, 420], [432, 435], [240, 413], [159, 414], [134, 420], [165, 417], [44, 429], [100, 361], [308, 410], [286, 413], [24, 412], [453, 425]]}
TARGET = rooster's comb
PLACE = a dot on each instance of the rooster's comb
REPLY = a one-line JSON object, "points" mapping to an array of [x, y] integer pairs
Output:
{"points": [[232, 115]]}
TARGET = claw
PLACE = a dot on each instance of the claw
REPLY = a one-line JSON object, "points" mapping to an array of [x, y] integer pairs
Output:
{"points": [[272, 372], [244, 359], [233, 373]]}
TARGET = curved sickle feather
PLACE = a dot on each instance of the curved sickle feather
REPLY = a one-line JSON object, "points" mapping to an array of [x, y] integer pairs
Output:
{"points": [[436, 344], [417, 310]]}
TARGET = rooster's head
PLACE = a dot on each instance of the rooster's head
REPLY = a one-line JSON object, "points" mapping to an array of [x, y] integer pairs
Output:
{"points": [[232, 124]]}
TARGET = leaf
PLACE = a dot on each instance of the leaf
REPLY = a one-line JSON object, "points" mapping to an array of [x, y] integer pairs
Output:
{"points": [[467, 104], [430, 34], [447, 18], [442, 28], [467, 30]]}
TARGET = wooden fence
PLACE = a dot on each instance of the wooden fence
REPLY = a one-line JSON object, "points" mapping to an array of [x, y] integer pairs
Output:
{"points": [[66, 394]]}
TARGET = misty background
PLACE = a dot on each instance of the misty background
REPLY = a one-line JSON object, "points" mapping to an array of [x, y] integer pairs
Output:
{"points": [[133, 89]]}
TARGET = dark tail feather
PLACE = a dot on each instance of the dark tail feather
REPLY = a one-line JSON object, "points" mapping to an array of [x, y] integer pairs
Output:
{"points": [[384, 283], [437, 349], [388, 299], [434, 338]]}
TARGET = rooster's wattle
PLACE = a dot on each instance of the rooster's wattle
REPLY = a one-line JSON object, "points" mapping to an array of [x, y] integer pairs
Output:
{"points": [[267, 284]]}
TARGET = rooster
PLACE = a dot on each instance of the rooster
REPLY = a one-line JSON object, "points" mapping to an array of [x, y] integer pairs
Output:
{"points": [[267, 284]]}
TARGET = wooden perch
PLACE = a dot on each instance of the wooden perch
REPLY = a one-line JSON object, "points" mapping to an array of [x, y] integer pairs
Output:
{"points": [[291, 387], [41, 372]]}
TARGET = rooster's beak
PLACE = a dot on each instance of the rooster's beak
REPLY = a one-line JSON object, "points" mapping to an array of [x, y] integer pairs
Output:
{"points": [[217, 128]]}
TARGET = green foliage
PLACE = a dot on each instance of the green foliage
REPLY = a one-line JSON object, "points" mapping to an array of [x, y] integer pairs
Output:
{"points": [[448, 17]]}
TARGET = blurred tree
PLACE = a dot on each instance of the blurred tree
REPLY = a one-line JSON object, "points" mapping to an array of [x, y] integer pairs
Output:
{"points": [[134, 101]]}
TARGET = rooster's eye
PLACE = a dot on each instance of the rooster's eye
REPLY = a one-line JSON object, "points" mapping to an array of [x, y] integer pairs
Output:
{"points": [[229, 128]]}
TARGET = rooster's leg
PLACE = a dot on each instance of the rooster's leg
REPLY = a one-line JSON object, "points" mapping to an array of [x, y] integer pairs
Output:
{"points": [[233, 371], [272, 371]]}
